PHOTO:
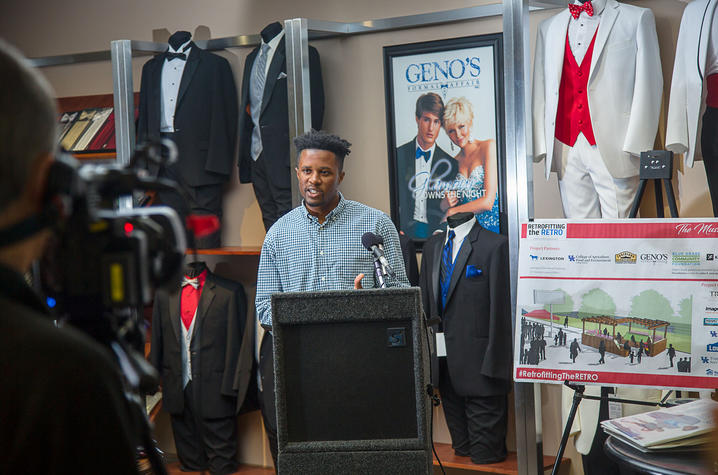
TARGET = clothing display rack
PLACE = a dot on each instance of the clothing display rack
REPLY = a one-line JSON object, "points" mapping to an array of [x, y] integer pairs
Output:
{"points": [[299, 31]]}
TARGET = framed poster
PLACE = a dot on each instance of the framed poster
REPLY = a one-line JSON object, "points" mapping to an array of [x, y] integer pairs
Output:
{"points": [[445, 129]]}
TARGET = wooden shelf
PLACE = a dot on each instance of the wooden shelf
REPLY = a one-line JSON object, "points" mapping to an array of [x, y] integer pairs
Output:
{"points": [[510, 466], [95, 156], [228, 251]]}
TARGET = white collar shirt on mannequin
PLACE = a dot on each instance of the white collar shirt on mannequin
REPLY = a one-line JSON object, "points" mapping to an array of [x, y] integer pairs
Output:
{"points": [[462, 230], [171, 78], [582, 29], [422, 170], [272, 48]]}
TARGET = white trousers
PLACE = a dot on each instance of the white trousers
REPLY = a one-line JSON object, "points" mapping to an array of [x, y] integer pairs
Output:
{"points": [[587, 188]]}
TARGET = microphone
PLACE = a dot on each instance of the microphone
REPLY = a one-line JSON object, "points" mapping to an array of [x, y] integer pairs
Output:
{"points": [[374, 244]]}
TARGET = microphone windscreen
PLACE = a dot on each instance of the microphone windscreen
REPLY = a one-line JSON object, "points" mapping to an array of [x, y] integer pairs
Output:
{"points": [[370, 239]]}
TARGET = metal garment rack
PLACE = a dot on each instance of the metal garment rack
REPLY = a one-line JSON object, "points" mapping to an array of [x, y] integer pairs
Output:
{"points": [[298, 31]]}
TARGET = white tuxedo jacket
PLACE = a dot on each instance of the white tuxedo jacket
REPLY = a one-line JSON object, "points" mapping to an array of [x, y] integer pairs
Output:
{"points": [[624, 86], [687, 92]]}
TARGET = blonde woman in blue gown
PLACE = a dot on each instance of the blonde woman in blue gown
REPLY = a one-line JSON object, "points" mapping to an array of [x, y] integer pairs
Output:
{"points": [[475, 187]]}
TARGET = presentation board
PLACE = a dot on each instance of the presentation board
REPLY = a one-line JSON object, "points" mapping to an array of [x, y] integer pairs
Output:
{"points": [[639, 306]]}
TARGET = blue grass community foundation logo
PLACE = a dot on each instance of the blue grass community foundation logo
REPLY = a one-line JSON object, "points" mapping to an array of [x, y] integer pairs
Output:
{"points": [[686, 258]]}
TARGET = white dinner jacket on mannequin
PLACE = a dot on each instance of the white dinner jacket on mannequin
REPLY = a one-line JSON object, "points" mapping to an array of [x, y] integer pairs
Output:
{"points": [[624, 87], [687, 92]]}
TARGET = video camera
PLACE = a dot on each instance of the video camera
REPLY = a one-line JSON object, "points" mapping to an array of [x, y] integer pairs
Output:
{"points": [[103, 259], [104, 262]]}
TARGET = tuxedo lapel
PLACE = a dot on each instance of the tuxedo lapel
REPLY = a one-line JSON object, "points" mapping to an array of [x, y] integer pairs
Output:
{"points": [[247, 75], [556, 48], [205, 301], [608, 18], [155, 93], [410, 168], [275, 67], [435, 271], [463, 256], [192, 63], [175, 316]]}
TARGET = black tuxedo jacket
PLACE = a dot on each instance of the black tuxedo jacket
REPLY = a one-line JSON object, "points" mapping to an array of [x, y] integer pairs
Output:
{"points": [[274, 116], [477, 318], [222, 348], [405, 157], [205, 116]]}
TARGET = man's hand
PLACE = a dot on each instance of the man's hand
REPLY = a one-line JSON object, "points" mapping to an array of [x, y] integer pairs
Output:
{"points": [[357, 281]]}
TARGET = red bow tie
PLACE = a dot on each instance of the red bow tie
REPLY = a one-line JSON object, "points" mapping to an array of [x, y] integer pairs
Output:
{"points": [[577, 9]]}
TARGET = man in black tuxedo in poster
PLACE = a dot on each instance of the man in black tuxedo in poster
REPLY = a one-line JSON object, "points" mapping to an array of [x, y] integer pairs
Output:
{"points": [[420, 164]]}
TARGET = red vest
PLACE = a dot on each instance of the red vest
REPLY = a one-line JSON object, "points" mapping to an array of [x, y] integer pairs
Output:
{"points": [[712, 87], [572, 115]]}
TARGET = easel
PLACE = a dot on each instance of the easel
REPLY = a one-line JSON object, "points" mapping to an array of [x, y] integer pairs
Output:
{"points": [[656, 165], [578, 394]]}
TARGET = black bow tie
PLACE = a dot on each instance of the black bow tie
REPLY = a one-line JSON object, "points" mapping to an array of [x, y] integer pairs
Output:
{"points": [[171, 56]]}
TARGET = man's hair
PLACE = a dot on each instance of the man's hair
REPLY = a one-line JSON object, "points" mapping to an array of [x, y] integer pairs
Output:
{"points": [[431, 103], [320, 140], [458, 110], [28, 121]]}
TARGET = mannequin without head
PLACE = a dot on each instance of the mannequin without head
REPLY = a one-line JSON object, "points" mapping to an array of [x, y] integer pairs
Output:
{"points": [[458, 219], [270, 31], [179, 38]]}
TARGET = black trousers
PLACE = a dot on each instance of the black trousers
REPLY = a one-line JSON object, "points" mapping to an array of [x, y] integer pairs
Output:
{"points": [[273, 189], [477, 424], [267, 402], [205, 199], [709, 147], [204, 444]]}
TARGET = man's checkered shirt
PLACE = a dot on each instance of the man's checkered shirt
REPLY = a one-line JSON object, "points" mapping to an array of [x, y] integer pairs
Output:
{"points": [[299, 254]]}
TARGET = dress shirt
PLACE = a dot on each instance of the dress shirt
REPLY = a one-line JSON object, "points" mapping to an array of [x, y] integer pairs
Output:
{"points": [[300, 254], [712, 53], [422, 170], [171, 79], [461, 231], [582, 29]]}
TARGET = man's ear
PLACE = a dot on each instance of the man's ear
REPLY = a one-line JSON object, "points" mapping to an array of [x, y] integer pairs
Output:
{"points": [[37, 180], [341, 177]]}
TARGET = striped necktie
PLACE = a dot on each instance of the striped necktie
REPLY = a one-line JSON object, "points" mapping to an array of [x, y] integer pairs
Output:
{"points": [[256, 94], [447, 267]]}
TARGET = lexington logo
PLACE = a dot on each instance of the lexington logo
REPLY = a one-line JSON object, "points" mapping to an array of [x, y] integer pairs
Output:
{"points": [[625, 257]]}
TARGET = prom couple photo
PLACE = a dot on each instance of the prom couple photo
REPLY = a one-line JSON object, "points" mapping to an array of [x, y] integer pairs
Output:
{"points": [[433, 184]]}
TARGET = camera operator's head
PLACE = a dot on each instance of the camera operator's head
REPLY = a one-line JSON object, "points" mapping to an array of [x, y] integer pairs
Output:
{"points": [[27, 142]]}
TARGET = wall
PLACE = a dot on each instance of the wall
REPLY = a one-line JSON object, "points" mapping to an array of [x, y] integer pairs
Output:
{"points": [[353, 77]]}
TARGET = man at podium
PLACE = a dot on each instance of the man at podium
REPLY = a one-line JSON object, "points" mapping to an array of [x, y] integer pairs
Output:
{"points": [[318, 246]]}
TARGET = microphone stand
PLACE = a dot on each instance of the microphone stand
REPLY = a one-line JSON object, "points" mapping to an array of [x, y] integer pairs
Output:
{"points": [[379, 273]]}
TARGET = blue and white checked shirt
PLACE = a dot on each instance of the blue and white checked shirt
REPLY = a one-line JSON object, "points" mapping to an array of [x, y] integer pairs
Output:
{"points": [[299, 254]]}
